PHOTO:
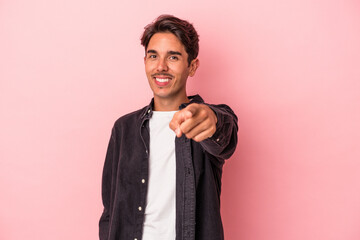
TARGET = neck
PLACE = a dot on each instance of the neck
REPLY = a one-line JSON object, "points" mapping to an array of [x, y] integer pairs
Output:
{"points": [[165, 104]]}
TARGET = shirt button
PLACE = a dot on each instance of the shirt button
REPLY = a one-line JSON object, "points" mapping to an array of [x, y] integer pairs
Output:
{"points": [[218, 139], [140, 208], [149, 111], [135, 238], [143, 180], [146, 151]]}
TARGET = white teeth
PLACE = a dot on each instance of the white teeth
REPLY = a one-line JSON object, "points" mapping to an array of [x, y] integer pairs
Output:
{"points": [[162, 79]]}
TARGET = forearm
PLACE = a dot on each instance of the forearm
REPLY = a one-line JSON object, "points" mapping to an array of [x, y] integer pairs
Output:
{"points": [[223, 142]]}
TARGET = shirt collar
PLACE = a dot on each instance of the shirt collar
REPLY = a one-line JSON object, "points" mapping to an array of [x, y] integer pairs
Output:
{"points": [[147, 112]]}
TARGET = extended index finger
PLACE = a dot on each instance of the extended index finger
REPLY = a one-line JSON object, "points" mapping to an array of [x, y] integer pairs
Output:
{"points": [[178, 118], [176, 121]]}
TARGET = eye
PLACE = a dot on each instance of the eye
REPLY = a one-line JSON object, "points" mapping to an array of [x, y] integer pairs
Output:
{"points": [[174, 58], [152, 56]]}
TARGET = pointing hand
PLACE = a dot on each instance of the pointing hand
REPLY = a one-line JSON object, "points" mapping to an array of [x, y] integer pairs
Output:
{"points": [[196, 121]]}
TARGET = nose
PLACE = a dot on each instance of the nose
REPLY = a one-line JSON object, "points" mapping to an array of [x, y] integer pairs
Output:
{"points": [[162, 65]]}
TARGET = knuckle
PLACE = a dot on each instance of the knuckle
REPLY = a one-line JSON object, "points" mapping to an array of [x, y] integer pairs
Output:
{"points": [[203, 113]]}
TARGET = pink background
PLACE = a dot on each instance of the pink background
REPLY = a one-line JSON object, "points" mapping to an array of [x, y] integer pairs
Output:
{"points": [[289, 69]]}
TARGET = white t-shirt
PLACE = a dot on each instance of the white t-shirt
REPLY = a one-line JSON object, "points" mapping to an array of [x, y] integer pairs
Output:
{"points": [[160, 208]]}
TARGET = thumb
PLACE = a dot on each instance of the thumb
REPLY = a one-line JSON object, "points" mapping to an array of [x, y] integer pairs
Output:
{"points": [[187, 114], [191, 110]]}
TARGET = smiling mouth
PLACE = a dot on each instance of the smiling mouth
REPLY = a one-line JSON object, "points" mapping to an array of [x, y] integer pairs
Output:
{"points": [[162, 80]]}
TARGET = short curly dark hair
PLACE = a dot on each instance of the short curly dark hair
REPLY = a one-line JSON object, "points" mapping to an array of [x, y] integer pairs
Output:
{"points": [[182, 29]]}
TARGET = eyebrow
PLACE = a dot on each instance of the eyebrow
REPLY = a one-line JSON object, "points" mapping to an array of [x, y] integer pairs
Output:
{"points": [[151, 51], [169, 52], [174, 53]]}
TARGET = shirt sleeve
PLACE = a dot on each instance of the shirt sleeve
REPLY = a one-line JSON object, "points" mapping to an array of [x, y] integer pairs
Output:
{"points": [[106, 188], [223, 143]]}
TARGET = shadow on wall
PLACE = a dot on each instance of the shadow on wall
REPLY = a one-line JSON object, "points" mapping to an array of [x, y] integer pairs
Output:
{"points": [[218, 76], [218, 81]]}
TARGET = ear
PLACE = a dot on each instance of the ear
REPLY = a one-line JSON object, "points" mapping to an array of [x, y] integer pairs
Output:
{"points": [[145, 58], [195, 63]]}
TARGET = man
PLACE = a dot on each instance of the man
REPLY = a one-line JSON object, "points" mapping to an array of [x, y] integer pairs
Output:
{"points": [[163, 167]]}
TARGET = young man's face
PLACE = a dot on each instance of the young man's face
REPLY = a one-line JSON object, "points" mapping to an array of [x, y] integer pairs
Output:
{"points": [[167, 67]]}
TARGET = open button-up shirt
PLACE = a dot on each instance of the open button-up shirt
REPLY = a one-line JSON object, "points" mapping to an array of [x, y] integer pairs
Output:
{"points": [[198, 177]]}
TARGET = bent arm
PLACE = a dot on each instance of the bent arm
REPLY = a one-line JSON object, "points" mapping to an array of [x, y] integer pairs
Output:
{"points": [[223, 142]]}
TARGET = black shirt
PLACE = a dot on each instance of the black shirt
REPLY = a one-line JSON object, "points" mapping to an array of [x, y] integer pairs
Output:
{"points": [[198, 177]]}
